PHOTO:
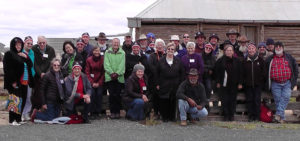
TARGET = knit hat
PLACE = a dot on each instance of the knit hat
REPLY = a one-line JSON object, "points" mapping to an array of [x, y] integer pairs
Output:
{"points": [[278, 43], [214, 35], [200, 34], [150, 35], [262, 44], [76, 64], [270, 41], [135, 45], [85, 33], [79, 40], [138, 67]]}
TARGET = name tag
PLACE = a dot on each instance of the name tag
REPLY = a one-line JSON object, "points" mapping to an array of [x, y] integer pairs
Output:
{"points": [[62, 81], [92, 75], [101, 53], [45, 55], [176, 53], [144, 88], [192, 60]]}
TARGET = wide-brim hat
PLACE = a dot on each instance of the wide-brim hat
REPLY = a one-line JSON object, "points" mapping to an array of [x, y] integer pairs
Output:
{"points": [[243, 38], [174, 38], [193, 71], [200, 34], [101, 36], [142, 37], [232, 31]]}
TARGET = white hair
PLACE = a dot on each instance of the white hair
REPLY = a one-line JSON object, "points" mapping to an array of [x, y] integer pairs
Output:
{"points": [[192, 44], [159, 40]]}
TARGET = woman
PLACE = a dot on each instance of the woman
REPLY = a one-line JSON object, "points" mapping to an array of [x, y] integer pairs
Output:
{"points": [[27, 50], [78, 92], [95, 72], [69, 57], [229, 80], [52, 92], [153, 61], [170, 73], [254, 78], [209, 64], [136, 94], [17, 75], [192, 60]]}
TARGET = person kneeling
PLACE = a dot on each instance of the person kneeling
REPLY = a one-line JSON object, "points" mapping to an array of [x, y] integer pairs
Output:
{"points": [[78, 92], [191, 98], [136, 95]]}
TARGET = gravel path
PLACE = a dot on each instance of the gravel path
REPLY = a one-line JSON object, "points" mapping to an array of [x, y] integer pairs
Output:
{"points": [[124, 130]]}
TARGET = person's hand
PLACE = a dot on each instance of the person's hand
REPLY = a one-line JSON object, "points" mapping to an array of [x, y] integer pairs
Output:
{"points": [[22, 54], [86, 98], [218, 85], [44, 107], [42, 75], [210, 72], [157, 87], [295, 88], [240, 86], [114, 76], [199, 107], [14, 85], [95, 85], [144, 97], [191, 102]]}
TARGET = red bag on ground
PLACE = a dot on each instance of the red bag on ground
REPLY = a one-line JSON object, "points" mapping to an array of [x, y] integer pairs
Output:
{"points": [[75, 119], [265, 113]]}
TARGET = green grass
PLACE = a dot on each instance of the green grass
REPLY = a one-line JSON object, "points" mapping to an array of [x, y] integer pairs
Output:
{"points": [[254, 125]]}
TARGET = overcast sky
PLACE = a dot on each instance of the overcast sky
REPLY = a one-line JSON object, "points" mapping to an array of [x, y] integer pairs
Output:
{"points": [[66, 18]]}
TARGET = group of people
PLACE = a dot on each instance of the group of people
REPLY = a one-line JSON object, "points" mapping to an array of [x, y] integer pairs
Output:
{"points": [[147, 74]]}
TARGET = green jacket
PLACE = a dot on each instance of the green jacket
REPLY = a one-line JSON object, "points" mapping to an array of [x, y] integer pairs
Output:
{"points": [[114, 63]]}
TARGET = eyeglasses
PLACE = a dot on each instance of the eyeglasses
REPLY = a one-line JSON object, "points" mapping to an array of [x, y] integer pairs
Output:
{"points": [[171, 49], [186, 37], [42, 43], [278, 46], [208, 48], [55, 65]]}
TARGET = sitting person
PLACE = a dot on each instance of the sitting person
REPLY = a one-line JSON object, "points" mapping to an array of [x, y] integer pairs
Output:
{"points": [[136, 94], [52, 92], [78, 92], [191, 98]]}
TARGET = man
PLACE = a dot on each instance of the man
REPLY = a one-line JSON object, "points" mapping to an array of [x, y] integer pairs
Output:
{"points": [[200, 42], [127, 44], [270, 45], [213, 40], [243, 41], [80, 50], [86, 38], [186, 39], [101, 43], [145, 49], [191, 98], [232, 36], [283, 74], [262, 51], [114, 66], [150, 37], [43, 55], [180, 51]]}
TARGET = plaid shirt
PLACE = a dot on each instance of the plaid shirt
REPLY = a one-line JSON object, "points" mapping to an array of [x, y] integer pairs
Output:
{"points": [[280, 70]]}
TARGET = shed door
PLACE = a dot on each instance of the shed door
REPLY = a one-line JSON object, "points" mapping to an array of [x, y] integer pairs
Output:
{"points": [[250, 32]]}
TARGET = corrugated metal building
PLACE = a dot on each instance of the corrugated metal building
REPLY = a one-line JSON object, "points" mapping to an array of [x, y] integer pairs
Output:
{"points": [[257, 19]]}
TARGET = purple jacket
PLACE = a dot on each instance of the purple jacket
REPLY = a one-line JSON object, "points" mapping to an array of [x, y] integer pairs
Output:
{"points": [[193, 61]]}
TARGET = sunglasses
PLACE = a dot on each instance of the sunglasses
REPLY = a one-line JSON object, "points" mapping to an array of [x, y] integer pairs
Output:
{"points": [[171, 49], [186, 37]]}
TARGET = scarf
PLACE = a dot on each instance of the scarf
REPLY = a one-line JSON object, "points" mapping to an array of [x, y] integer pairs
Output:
{"points": [[69, 63], [74, 89]]}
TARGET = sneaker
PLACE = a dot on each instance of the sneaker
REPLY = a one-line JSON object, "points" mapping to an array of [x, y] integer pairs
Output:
{"points": [[14, 123], [183, 123], [26, 117]]}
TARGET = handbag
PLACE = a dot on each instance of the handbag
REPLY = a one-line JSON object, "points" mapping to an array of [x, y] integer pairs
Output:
{"points": [[14, 104]]}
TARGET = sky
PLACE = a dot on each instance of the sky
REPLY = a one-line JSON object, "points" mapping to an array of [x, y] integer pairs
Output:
{"points": [[66, 18]]}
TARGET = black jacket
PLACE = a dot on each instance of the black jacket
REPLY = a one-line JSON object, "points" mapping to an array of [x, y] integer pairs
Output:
{"points": [[133, 90], [236, 75], [254, 72], [84, 56], [49, 88], [209, 61], [127, 48], [64, 58], [197, 92], [42, 63], [169, 77], [132, 60]]}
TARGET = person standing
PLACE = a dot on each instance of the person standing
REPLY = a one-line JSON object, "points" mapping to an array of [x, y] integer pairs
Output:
{"points": [[101, 43], [180, 51], [200, 42], [127, 44], [86, 39], [254, 78], [282, 79], [69, 57], [114, 66], [169, 74], [80, 50], [43, 55], [17, 76], [229, 80], [186, 39]]}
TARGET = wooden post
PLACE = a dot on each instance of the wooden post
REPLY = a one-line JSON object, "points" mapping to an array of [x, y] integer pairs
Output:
{"points": [[262, 32]]}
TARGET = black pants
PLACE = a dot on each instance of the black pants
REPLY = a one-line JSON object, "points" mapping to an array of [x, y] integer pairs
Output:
{"points": [[22, 93], [228, 99], [114, 89], [167, 108], [253, 98], [36, 98], [84, 111]]}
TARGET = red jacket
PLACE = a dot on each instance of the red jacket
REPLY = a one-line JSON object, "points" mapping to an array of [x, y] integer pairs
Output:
{"points": [[95, 70]]}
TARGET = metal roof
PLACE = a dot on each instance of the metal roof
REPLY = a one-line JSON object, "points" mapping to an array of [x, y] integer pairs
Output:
{"points": [[248, 11]]}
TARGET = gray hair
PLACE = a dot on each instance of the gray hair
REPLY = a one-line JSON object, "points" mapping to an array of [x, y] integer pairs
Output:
{"points": [[192, 44], [138, 67], [159, 40]]}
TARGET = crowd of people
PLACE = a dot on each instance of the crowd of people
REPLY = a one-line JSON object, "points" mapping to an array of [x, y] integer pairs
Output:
{"points": [[145, 75]]}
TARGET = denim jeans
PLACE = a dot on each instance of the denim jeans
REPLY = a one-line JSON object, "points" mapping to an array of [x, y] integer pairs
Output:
{"points": [[281, 94], [52, 111], [185, 108], [96, 100], [136, 109]]}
